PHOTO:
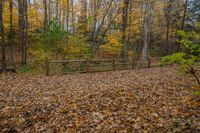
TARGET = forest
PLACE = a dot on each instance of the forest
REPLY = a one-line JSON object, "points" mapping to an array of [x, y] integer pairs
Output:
{"points": [[100, 66], [38, 30]]}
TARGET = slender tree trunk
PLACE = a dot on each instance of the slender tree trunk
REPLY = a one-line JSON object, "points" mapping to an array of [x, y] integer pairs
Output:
{"points": [[94, 23], [22, 32], [145, 47], [3, 47], [166, 50], [19, 24], [23, 29], [106, 30], [130, 23], [60, 14], [26, 32], [45, 15], [183, 22], [184, 15], [73, 19], [98, 30], [57, 11], [83, 25], [124, 27], [11, 34], [49, 12], [68, 10], [147, 23], [168, 16], [64, 17], [140, 46]]}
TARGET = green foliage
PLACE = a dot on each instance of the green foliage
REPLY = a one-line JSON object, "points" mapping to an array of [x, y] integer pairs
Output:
{"points": [[190, 54], [190, 42], [179, 58], [197, 93], [78, 48], [40, 53], [51, 41], [28, 70], [175, 58], [54, 33]]}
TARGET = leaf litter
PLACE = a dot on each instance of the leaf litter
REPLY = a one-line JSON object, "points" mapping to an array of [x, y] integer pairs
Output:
{"points": [[143, 101]]}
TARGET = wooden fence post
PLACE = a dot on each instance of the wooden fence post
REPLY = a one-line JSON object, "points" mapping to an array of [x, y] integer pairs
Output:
{"points": [[124, 63], [149, 62], [133, 63], [113, 64], [47, 68], [86, 66]]}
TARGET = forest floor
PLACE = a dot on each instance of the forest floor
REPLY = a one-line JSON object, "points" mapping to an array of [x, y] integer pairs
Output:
{"points": [[145, 100]]}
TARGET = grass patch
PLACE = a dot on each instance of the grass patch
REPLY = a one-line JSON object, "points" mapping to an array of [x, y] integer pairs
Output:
{"points": [[29, 70]]}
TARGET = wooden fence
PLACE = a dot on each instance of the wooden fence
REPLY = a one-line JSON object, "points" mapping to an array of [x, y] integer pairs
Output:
{"points": [[85, 66]]}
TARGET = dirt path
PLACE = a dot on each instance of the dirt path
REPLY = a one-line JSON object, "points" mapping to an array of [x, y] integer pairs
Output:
{"points": [[146, 100]]}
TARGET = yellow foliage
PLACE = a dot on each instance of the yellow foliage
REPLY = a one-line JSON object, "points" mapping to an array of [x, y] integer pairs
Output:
{"points": [[6, 17], [35, 18], [77, 48], [113, 45]]}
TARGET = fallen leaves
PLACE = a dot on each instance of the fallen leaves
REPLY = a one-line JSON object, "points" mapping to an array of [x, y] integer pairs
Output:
{"points": [[146, 100]]}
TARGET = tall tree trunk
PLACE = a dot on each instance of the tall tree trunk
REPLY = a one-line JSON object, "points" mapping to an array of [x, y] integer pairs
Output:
{"points": [[124, 27], [145, 40], [98, 30], [26, 32], [23, 29], [166, 50], [22, 35], [83, 25], [68, 10], [3, 47], [49, 12], [73, 18], [57, 11], [168, 15], [60, 13], [130, 23], [19, 24], [147, 23], [106, 30], [94, 22], [45, 15], [11, 34], [184, 15]]}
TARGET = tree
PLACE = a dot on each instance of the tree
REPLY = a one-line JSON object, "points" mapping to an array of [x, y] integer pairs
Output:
{"points": [[68, 11], [23, 29], [83, 24], [11, 34], [73, 17], [45, 14], [3, 47], [184, 15], [100, 30], [147, 27], [168, 16], [189, 58], [124, 27]]}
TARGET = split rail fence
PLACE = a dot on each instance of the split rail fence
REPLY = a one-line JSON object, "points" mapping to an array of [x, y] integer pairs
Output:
{"points": [[88, 66]]}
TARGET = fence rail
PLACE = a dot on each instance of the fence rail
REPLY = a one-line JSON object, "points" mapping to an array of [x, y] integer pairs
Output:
{"points": [[85, 66]]}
